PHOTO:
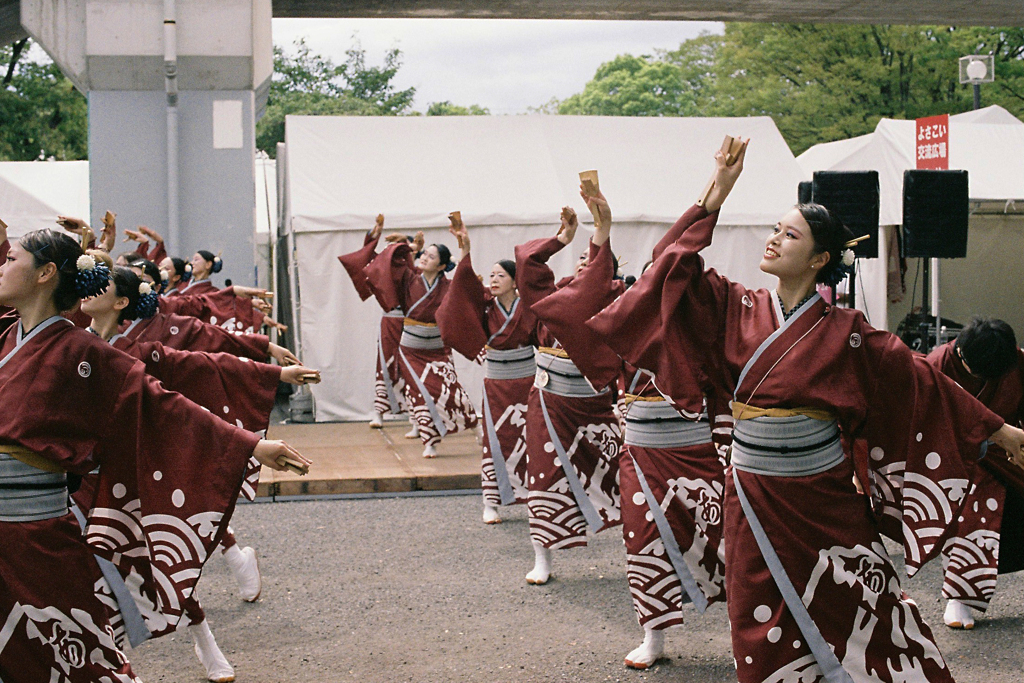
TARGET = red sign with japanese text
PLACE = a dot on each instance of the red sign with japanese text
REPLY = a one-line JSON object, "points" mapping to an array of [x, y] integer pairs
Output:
{"points": [[932, 146]]}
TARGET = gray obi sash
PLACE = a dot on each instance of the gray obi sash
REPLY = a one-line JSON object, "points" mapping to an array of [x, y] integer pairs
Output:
{"points": [[427, 337], [28, 494], [656, 424], [795, 446], [510, 363], [561, 377]]}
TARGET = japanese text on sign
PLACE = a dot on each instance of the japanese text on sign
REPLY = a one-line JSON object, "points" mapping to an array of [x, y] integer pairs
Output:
{"points": [[932, 142]]}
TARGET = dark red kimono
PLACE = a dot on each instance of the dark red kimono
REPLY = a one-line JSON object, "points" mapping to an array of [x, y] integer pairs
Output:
{"points": [[987, 542], [389, 386], [573, 436], [161, 504], [191, 334], [220, 307], [472, 320], [811, 590], [438, 402]]}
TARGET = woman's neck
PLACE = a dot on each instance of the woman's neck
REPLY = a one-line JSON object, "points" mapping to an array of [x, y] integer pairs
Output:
{"points": [[105, 325], [791, 292], [507, 299], [36, 312], [430, 277]]}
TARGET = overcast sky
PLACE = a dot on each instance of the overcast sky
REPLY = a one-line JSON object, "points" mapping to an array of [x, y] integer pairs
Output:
{"points": [[503, 64]]}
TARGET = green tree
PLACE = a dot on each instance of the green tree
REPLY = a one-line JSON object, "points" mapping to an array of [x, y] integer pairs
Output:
{"points": [[446, 108], [42, 116], [310, 84], [634, 86]]}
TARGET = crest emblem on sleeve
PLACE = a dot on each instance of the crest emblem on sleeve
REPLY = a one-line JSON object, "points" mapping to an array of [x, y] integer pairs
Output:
{"points": [[746, 301], [84, 369], [855, 340], [542, 379]]}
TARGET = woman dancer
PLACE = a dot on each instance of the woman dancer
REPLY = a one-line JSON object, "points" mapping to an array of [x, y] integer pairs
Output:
{"points": [[572, 433], [671, 477], [986, 361], [72, 402], [389, 387], [811, 591], [439, 403], [472, 319]]}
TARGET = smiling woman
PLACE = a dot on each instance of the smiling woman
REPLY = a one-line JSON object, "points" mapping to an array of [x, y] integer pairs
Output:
{"points": [[811, 591]]}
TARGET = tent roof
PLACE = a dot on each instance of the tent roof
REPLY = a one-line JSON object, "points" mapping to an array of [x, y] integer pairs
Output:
{"points": [[518, 170], [34, 193], [988, 144]]}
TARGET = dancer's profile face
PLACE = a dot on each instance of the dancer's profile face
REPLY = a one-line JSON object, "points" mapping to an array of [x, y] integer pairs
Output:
{"points": [[582, 262], [501, 282], [103, 303], [18, 276], [201, 268], [789, 249], [167, 265]]}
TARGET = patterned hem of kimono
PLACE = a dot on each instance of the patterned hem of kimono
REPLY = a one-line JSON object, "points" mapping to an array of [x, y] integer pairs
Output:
{"points": [[56, 635], [681, 488], [389, 386], [504, 446], [970, 559], [588, 433], [825, 537], [439, 404]]}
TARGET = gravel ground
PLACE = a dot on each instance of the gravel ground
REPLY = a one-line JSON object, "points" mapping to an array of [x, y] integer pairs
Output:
{"points": [[418, 589]]}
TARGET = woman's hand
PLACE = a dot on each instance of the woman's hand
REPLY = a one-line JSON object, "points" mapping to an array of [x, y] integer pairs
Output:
{"points": [[1011, 440], [282, 355], [134, 235], [277, 455], [598, 206], [262, 306], [300, 374], [152, 234], [418, 241], [252, 292], [270, 322], [458, 229], [378, 227], [71, 224], [725, 177], [567, 230]]}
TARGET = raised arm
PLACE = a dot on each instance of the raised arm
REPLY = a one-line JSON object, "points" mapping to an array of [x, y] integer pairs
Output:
{"points": [[534, 278], [356, 262]]}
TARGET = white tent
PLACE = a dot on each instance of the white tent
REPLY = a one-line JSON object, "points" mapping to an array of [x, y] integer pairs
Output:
{"points": [[989, 144], [34, 193], [509, 176]]}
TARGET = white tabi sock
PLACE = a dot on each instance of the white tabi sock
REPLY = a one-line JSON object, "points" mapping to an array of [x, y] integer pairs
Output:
{"points": [[377, 422], [429, 451], [541, 571], [491, 515], [217, 667], [246, 569], [649, 651], [958, 615], [413, 433]]}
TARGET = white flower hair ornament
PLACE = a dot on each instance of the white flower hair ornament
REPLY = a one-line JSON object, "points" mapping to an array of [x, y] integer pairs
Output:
{"points": [[848, 257], [145, 288], [85, 262]]}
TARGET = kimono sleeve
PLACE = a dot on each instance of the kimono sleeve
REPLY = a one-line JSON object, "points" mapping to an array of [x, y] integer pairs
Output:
{"points": [[534, 278], [460, 317], [673, 316], [565, 311], [387, 275], [924, 435], [355, 264], [185, 304]]}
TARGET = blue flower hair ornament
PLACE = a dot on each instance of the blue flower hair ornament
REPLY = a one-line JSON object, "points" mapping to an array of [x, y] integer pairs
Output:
{"points": [[148, 303], [92, 278]]}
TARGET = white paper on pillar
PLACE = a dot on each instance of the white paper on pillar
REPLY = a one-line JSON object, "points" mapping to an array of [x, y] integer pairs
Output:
{"points": [[227, 124]]}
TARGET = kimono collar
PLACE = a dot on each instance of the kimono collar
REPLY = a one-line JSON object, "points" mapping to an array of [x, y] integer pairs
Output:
{"points": [[193, 284], [126, 331], [21, 338]]}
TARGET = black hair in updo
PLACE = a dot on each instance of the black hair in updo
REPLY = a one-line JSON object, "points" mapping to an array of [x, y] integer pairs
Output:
{"points": [[509, 267], [47, 246], [444, 255], [988, 346], [182, 268], [831, 236], [215, 261], [152, 270], [127, 284]]}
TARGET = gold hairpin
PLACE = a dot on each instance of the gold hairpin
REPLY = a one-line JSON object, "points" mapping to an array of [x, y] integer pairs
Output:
{"points": [[855, 241]]}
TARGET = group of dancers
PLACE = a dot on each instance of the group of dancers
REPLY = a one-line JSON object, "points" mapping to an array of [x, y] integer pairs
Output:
{"points": [[754, 445], [135, 398]]}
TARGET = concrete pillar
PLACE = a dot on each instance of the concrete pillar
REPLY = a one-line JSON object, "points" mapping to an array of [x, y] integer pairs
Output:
{"points": [[114, 52]]}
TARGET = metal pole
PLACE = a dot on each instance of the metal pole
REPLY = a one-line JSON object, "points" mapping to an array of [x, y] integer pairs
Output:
{"points": [[977, 96], [171, 86], [935, 301]]}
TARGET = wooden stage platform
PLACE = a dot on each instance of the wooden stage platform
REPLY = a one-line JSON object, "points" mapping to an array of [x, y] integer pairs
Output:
{"points": [[349, 457]]}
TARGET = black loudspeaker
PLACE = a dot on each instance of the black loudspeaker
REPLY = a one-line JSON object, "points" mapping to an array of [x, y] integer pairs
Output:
{"points": [[935, 212], [805, 192], [853, 197]]}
